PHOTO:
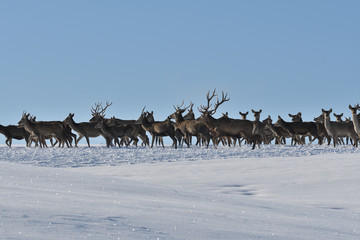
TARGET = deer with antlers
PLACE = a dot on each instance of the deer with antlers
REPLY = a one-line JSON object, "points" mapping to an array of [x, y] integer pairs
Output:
{"points": [[98, 114], [225, 126], [190, 128]]}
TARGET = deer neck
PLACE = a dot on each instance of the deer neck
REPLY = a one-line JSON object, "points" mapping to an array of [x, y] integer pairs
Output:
{"points": [[179, 119], [327, 125], [210, 122], [73, 124]]}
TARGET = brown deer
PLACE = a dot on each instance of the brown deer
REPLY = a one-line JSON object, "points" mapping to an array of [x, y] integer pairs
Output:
{"points": [[190, 128], [67, 131], [279, 133], [98, 113], [339, 129], [86, 129], [355, 118], [158, 128], [14, 132], [116, 132], [225, 127], [322, 133], [43, 130], [298, 128]]}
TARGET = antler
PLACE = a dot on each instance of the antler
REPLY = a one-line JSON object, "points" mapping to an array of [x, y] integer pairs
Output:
{"points": [[178, 107], [218, 103], [99, 110], [142, 111], [203, 108], [191, 106]]}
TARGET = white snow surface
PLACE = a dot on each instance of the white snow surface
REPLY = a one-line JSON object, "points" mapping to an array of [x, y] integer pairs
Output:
{"points": [[276, 192]]}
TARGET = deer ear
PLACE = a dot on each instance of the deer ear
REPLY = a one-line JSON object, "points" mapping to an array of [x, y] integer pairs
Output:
{"points": [[342, 114], [322, 110], [299, 113], [349, 106], [290, 115], [330, 110], [260, 111]]}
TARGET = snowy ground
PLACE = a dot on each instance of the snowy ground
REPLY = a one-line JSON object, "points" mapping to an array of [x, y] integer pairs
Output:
{"points": [[276, 192]]}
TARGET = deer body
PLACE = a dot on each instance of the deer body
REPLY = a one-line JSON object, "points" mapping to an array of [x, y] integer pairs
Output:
{"points": [[14, 132], [115, 132], [85, 129], [339, 129], [298, 128], [43, 130], [158, 128]]}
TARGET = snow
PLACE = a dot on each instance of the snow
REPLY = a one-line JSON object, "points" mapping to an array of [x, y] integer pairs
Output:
{"points": [[275, 192]]}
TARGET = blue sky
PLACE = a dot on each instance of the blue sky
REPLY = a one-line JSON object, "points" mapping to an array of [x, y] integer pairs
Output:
{"points": [[284, 57]]}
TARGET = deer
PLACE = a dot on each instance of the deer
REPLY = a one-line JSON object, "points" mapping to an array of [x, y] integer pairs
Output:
{"points": [[98, 113], [227, 127], [86, 129], [43, 130], [298, 139], [115, 132], [298, 128], [158, 128], [67, 131], [190, 128], [14, 132], [322, 133], [259, 130], [355, 119], [338, 119], [339, 129], [279, 133]]}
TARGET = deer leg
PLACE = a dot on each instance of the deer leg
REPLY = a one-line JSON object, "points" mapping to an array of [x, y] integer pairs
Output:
{"points": [[187, 139], [78, 140], [152, 140], [174, 141], [7, 142], [88, 141]]}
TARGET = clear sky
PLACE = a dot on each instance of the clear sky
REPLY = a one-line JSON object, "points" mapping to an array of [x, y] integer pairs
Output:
{"points": [[58, 57]]}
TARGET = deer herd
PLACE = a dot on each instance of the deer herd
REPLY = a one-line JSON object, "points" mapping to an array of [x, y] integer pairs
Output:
{"points": [[182, 128]]}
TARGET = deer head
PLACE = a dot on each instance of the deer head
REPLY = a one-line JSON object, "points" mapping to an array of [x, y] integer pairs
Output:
{"points": [[243, 115]]}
